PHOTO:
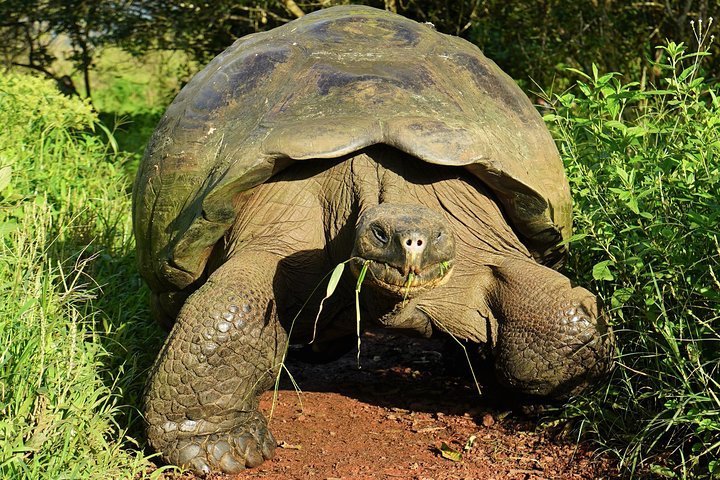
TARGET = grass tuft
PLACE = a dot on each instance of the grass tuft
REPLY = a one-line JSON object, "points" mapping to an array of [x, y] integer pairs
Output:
{"points": [[72, 297]]}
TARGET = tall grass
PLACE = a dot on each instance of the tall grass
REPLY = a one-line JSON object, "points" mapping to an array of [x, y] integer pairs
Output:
{"points": [[132, 91], [644, 167], [73, 328]]}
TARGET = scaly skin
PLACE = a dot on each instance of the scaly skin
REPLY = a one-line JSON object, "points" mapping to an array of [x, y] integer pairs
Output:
{"points": [[225, 348], [547, 338], [552, 339]]}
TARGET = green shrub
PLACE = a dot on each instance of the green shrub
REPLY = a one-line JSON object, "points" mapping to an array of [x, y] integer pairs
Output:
{"points": [[71, 298], [644, 168]]}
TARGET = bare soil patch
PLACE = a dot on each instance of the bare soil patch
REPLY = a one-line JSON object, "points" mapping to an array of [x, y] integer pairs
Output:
{"points": [[390, 419]]}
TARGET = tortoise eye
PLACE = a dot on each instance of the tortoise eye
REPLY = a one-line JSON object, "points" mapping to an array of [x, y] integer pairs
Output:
{"points": [[379, 233]]}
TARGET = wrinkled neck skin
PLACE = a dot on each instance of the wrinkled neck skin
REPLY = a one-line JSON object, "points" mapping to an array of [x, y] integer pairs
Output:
{"points": [[382, 175]]}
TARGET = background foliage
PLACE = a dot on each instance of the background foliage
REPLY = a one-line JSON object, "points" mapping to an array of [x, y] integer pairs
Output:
{"points": [[644, 167], [533, 39], [641, 148], [73, 323]]}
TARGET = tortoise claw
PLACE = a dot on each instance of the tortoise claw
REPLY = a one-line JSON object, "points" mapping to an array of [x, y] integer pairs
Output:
{"points": [[231, 452]]}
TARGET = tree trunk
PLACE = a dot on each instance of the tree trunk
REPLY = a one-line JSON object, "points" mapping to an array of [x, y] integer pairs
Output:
{"points": [[86, 75]]}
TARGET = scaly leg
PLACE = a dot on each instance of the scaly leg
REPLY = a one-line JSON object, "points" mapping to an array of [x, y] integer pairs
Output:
{"points": [[552, 339], [224, 350]]}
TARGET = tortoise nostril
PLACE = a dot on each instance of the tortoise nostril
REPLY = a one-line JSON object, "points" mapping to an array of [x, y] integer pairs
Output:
{"points": [[413, 243]]}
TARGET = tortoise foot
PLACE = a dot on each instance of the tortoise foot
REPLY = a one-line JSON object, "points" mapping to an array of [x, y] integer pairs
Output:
{"points": [[245, 446]]}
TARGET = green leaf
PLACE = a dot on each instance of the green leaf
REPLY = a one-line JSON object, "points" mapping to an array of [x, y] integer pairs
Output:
{"points": [[632, 204], [360, 279], [332, 285], [578, 72], [334, 279], [601, 271], [27, 306], [5, 173], [662, 471], [361, 276], [686, 73], [614, 124], [574, 238], [621, 172], [110, 136], [448, 452], [621, 296], [7, 227]]}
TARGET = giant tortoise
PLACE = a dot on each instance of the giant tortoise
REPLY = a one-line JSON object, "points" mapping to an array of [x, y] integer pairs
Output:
{"points": [[350, 134]]}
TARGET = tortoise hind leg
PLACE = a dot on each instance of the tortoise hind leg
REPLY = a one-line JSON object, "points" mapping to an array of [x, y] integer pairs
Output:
{"points": [[224, 350]]}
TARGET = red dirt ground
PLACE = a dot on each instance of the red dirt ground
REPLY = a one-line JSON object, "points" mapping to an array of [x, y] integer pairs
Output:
{"points": [[390, 419]]}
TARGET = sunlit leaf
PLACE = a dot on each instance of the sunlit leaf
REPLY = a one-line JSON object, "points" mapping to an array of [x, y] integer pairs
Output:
{"points": [[601, 271], [448, 452], [5, 173]]}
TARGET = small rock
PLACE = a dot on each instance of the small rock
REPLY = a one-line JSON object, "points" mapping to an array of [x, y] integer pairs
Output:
{"points": [[488, 420]]}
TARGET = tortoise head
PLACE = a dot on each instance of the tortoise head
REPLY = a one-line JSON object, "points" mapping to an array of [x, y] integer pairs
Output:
{"points": [[407, 248]]}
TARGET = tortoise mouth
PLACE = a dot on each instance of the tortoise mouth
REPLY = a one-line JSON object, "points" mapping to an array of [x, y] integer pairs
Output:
{"points": [[394, 280]]}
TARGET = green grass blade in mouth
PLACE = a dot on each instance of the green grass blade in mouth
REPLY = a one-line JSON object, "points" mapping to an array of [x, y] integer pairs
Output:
{"points": [[332, 286], [361, 278], [408, 284]]}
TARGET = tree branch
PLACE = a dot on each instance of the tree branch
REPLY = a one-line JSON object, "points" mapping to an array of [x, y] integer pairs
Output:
{"points": [[37, 68], [293, 8]]}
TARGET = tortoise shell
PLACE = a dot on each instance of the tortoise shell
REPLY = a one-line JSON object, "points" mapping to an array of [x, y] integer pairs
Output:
{"points": [[326, 85]]}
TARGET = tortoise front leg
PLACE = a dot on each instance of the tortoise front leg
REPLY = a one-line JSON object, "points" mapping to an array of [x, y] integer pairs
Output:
{"points": [[552, 340], [201, 403]]}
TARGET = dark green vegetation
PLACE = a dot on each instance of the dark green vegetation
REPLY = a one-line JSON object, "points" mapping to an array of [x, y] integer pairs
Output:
{"points": [[532, 39], [642, 151], [644, 167]]}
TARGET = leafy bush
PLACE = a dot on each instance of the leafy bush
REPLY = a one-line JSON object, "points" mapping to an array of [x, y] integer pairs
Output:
{"points": [[71, 297], [644, 167]]}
